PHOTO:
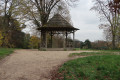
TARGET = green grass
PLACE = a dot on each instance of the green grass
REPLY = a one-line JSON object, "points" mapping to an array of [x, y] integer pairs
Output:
{"points": [[103, 67], [93, 53], [110, 50], [82, 49], [5, 52], [97, 50]]}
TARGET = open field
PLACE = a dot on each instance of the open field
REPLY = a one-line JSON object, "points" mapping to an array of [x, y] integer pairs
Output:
{"points": [[97, 66]]}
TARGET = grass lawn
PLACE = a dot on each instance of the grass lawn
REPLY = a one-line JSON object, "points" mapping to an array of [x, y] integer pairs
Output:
{"points": [[5, 52], [100, 67]]}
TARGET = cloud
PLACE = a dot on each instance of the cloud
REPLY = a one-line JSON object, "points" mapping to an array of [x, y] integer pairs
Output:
{"points": [[87, 21]]}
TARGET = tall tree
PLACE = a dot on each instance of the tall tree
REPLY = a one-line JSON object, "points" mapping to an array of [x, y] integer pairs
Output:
{"points": [[12, 35], [40, 11], [109, 11], [9, 23]]}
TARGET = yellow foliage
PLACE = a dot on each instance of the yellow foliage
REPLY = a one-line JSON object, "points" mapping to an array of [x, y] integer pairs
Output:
{"points": [[34, 41], [119, 45], [1, 37]]}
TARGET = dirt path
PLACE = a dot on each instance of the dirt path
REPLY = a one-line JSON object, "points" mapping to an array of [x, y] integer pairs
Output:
{"points": [[32, 64]]}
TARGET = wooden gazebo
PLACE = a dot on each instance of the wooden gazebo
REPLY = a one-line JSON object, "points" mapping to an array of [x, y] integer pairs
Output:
{"points": [[56, 25]]}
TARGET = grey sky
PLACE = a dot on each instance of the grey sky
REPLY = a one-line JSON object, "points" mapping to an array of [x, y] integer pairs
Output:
{"points": [[87, 21]]}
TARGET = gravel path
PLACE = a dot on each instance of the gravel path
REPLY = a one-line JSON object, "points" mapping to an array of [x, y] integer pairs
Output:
{"points": [[31, 64]]}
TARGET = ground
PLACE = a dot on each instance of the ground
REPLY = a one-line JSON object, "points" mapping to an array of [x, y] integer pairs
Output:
{"points": [[32, 64]]}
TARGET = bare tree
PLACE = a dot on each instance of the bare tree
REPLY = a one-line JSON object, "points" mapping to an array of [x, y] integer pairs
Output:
{"points": [[109, 11], [38, 12], [41, 10]]}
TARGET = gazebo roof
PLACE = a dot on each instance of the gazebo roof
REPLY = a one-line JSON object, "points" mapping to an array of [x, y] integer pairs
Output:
{"points": [[57, 23]]}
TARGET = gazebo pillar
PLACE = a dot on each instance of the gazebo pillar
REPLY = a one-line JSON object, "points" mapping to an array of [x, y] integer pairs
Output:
{"points": [[43, 39], [41, 45], [46, 39], [40, 40], [51, 34], [73, 39], [64, 41]]}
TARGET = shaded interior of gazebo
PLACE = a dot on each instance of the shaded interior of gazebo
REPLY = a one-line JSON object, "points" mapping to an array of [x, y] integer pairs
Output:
{"points": [[56, 25]]}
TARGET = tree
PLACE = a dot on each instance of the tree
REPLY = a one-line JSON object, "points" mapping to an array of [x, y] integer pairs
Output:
{"points": [[34, 41], [11, 34], [1, 37], [109, 11], [17, 39], [26, 41], [41, 10], [82, 44], [87, 44], [101, 45], [10, 8], [9, 25]]}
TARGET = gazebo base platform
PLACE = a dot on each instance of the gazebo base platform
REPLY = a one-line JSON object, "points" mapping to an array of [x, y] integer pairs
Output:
{"points": [[57, 49]]}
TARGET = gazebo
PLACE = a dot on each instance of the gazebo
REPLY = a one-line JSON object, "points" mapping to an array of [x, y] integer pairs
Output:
{"points": [[56, 25]]}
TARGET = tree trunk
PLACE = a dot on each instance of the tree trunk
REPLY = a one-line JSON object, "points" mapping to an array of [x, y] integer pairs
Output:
{"points": [[113, 42]]}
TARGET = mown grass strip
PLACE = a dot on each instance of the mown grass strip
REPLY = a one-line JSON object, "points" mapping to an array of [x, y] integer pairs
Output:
{"points": [[93, 53]]}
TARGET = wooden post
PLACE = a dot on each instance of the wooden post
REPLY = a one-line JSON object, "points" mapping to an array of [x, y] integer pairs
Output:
{"points": [[57, 40], [46, 39], [51, 39], [64, 41], [66, 38], [44, 36], [43, 39], [73, 39], [41, 44]]}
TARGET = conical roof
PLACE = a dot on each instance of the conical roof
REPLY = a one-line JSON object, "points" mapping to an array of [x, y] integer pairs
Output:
{"points": [[58, 23]]}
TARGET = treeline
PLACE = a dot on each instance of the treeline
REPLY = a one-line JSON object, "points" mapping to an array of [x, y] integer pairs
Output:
{"points": [[98, 45], [18, 39], [11, 35]]}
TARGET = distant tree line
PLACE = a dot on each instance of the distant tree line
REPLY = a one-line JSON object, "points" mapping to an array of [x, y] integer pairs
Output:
{"points": [[98, 45]]}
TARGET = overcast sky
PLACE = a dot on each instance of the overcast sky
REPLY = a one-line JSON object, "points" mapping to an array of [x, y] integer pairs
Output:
{"points": [[87, 21]]}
